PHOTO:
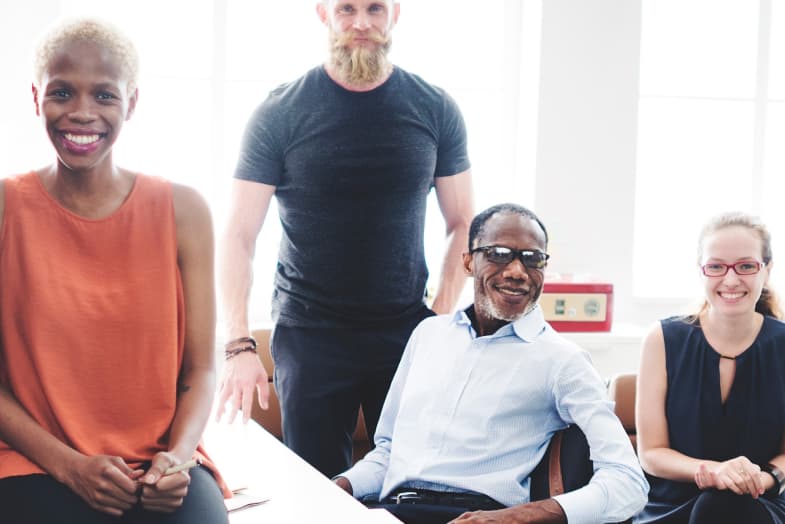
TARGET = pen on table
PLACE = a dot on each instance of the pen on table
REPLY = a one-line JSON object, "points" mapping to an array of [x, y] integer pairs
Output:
{"points": [[181, 467]]}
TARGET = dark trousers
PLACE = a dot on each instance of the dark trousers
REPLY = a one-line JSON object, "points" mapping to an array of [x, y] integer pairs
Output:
{"points": [[323, 376], [718, 507], [40, 499], [435, 508], [422, 513]]}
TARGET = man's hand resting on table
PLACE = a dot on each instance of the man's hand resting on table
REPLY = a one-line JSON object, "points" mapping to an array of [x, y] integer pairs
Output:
{"points": [[540, 512]]}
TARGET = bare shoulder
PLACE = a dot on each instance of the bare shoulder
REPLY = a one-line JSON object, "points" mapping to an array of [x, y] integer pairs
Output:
{"points": [[652, 360], [193, 220], [654, 336], [190, 207]]}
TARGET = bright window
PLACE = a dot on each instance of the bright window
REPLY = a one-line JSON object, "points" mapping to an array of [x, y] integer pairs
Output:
{"points": [[206, 64], [710, 128]]}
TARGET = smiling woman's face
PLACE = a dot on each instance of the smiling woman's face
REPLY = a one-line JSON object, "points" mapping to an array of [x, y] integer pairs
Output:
{"points": [[84, 102], [733, 294]]}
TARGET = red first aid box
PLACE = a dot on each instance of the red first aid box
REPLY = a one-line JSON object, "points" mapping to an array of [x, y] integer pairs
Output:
{"points": [[573, 305]]}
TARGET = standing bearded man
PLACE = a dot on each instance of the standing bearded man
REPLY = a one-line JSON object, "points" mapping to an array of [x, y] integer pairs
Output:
{"points": [[350, 150]]}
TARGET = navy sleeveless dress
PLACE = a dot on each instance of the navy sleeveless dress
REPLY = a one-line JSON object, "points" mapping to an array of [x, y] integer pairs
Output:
{"points": [[750, 423]]}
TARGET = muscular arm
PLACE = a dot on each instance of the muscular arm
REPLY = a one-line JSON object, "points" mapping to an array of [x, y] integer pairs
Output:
{"points": [[248, 208], [243, 373], [456, 201]]}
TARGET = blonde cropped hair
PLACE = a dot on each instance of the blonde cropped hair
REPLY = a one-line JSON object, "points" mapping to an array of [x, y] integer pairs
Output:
{"points": [[91, 30]]}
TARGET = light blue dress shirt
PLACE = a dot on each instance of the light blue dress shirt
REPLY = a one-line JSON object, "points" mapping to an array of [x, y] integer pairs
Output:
{"points": [[476, 414]]}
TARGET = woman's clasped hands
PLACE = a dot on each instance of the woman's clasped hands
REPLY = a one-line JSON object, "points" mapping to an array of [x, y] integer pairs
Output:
{"points": [[111, 486], [738, 475]]}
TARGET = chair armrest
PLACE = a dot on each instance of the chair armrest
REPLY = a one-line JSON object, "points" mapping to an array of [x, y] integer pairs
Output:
{"points": [[565, 467]]}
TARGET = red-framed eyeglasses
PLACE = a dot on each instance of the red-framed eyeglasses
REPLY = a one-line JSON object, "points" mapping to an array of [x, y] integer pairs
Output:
{"points": [[745, 267]]}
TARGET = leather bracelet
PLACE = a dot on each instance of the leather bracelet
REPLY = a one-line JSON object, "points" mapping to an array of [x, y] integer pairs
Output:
{"points": [[231, 353], [779, 481], [242, 341]]}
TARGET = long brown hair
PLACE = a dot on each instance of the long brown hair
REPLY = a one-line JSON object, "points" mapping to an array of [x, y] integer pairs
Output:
{"points": [[767, 304]]}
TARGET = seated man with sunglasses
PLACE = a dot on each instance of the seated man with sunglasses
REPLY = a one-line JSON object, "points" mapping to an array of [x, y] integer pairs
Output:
{"points": [[478, 395]]}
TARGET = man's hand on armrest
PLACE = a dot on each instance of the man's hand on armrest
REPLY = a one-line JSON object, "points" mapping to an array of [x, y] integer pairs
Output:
{"points": [[344, 484], [541, 512]]}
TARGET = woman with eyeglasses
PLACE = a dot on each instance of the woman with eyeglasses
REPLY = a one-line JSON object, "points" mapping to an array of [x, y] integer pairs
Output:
{"points": [[710, 410]]}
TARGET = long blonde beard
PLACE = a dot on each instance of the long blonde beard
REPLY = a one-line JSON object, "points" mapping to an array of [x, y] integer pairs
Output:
{"points": [[360, 65]]}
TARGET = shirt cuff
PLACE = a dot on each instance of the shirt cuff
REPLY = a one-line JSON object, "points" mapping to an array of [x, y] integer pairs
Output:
{"points": [[364, 482], [592, 503], [582, 506]]}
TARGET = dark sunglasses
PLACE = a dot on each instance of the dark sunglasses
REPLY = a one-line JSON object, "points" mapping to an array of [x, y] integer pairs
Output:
{"points": [[505, 255]]}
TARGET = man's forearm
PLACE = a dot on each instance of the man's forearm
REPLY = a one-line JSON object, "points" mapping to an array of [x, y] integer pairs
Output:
{"points": [[250, 201], [236, 282], [542, 512], [453, 276]]}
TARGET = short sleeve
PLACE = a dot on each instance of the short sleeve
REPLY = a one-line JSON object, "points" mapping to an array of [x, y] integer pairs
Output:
{"points": [[453, 156], [261, 151]]}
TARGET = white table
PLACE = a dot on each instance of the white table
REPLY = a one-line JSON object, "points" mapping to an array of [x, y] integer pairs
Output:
{"points": [[248, 455]]}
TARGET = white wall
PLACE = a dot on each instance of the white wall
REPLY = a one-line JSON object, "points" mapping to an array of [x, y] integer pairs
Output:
{"points": [[586, 160], [586, 134], [18, 122]]}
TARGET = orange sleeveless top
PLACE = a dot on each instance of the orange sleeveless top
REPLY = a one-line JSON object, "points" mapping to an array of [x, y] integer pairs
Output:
{"points": [[92, 320]]}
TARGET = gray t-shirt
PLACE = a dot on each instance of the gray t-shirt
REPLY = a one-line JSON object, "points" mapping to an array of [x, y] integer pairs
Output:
{"points": [[352, 171]]}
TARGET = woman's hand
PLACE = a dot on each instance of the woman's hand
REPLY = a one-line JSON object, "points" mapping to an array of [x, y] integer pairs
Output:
{"points": [[106, 483], [738, 475], [164, 493]]}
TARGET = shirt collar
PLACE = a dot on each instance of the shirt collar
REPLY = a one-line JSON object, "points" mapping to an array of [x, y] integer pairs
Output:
{"points": [[527, 328]]}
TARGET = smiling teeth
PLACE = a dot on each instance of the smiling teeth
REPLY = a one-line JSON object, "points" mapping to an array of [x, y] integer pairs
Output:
{"points": [[732, 295], [512, 291], [82, 139]]}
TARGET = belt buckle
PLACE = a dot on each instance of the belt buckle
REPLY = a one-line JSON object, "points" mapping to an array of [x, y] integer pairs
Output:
{"points": [[406, 497]]}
